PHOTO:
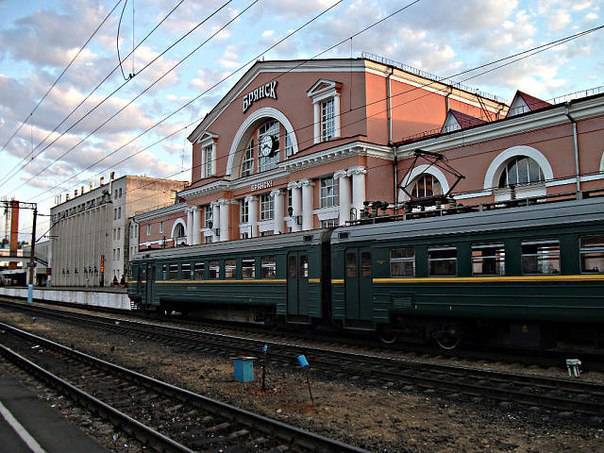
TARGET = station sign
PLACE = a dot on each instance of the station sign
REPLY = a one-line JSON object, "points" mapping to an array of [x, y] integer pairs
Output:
{"points": [[261, 185], [268, 90]]}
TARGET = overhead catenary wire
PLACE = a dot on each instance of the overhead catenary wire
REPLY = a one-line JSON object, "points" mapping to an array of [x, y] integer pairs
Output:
{"points": [[145, 90], [73, 59], [204, 92], [25, 161]]}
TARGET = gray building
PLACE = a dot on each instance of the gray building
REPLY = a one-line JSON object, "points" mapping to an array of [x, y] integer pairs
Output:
{"points": [[89, 237]]}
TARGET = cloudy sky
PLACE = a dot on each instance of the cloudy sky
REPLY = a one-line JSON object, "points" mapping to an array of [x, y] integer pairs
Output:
{"points": [[38, 38]]}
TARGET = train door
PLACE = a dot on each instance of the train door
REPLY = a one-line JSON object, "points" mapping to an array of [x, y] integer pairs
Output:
{"points": [[149, 284], [297, 284], [358, 284]]}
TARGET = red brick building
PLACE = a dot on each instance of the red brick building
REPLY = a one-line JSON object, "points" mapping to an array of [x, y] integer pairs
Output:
{"points": [[296, 145]]}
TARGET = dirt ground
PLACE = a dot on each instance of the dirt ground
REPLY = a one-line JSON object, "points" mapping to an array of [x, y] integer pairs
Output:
{"points": [[379, 419]]}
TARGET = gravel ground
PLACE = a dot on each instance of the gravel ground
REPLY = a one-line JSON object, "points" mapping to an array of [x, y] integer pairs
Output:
{"points": [[379, 419]]}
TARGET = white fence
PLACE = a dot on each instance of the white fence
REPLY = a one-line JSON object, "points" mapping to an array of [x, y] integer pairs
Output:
{"points": [[95, 299]]}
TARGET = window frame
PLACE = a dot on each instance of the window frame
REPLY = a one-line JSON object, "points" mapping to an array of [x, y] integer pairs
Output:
{"points": [[441, 248], [265, 267], [543, 242], [267, 207], [403, 259], [329, 193], [214, 265], [247, 260], [230, 268], [196, 267], [327, 119], [599, 249], [499, 260]]}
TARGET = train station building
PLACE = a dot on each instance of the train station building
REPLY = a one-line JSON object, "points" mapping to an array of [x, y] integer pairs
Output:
{"points": [[297, 145]]}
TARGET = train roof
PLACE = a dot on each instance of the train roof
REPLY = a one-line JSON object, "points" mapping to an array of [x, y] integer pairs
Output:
{"points": [[534, 216], [265, 243]]}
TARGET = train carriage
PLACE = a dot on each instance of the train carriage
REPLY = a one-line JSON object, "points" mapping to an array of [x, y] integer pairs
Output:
{"points": [[515, 272], [254, 280]]}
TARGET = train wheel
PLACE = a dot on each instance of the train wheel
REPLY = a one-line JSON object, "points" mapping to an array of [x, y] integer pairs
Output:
{"points": [[447, 338], [388, 336]]}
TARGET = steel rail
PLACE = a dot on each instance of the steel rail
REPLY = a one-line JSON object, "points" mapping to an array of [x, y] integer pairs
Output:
{"points": [[551, 393], [288, 434]]}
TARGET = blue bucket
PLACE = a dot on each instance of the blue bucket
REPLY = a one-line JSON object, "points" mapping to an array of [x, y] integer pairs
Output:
{"points": [[302, 361]]}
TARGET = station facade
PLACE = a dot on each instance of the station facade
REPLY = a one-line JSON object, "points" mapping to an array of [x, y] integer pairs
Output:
{"points": [[297, 145]]}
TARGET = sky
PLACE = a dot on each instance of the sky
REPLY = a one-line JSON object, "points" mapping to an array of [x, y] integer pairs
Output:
{"points": [[38, 38]]}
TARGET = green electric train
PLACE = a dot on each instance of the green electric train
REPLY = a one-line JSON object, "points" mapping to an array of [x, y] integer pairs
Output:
{"points": [[521, 275]]}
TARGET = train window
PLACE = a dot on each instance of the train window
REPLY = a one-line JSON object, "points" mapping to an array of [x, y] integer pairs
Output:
{"points": [[185, 270], [303, 266], [230, 268], [402, 262], [442, 261], [198, 271], [365, 264], [292, 266], [214, 269], [540, 257], [488, 259], [351, 264], [592, 254], [269, 267], [164, 272], [173, 272], [248, 268]]}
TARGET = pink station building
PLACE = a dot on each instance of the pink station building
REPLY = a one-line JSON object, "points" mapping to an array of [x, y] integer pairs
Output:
{"points": [[297, 145]]}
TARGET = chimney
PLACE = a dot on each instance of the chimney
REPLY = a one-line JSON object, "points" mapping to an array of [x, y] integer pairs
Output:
{"points": [[112, 175], [82, 190], [66, 197], [102, 181], [75, 193]]}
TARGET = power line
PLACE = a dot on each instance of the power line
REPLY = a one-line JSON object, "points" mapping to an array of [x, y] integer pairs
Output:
{"points": [[61, 75], [203, 93], [25, 161]]}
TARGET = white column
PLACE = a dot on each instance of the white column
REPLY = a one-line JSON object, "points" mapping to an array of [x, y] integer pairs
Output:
{"points": [[307, 205], [358, 188], [189, 226], [277, 211], [224, 220], [336, 115], [317, 122], [344, 195], [252, 214], [196, 226], [215, 218], [296, 205]]}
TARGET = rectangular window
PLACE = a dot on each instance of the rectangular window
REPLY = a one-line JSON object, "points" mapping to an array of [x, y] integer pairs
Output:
{"points": [[329, 223], [488, 259], [120, 192], [351, 264], [119, 233], [442, 261], [248, 268], [208, 215], [198, 271], [304, 269], [266, 207], [148, 228], [164, 272], [540, 257], [328, 124], [161, 227], [173, 272], [119, 212], [209, 160], [328, 192], [114, 214], [269, 267], [592, 254], [244, 211], [402, 262], [214, 269], [185, 271], [230, 268]]}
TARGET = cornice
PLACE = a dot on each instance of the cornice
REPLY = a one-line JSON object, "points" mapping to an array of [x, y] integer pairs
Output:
{"points": [[161, 212], [214, 186]]}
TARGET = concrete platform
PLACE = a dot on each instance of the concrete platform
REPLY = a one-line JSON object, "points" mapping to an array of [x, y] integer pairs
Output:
{"points": [[28, 424], [113, 298]]}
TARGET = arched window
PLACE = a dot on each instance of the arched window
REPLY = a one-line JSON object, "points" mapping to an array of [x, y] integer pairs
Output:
{"points": [[520, 170], [263, 149], [426, 186], [247, 164], [179, 231]]}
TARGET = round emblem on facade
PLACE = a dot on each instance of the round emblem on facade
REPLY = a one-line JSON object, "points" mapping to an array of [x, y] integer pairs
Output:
{"points": [[266, 146]]}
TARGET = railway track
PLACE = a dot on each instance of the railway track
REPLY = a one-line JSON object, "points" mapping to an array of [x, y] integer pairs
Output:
{"points": [[163, 417], [557, 395]]}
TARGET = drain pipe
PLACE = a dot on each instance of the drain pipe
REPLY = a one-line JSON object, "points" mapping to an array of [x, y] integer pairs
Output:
{"points": [[575, 147], [389, 105]]}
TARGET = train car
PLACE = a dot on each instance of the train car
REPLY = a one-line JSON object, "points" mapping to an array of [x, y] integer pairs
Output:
{"points": [[261, 280], [525, 275]]}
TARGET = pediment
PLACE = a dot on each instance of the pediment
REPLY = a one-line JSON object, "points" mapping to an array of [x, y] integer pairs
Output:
{"points": [[321, 86]]}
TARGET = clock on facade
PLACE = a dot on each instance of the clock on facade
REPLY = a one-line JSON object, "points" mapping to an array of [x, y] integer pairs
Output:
{"points": [[266, 146]]}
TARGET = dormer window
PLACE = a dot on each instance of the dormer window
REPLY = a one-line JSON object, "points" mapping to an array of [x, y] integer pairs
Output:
{"points": [[208, 155], [325, 95]]}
